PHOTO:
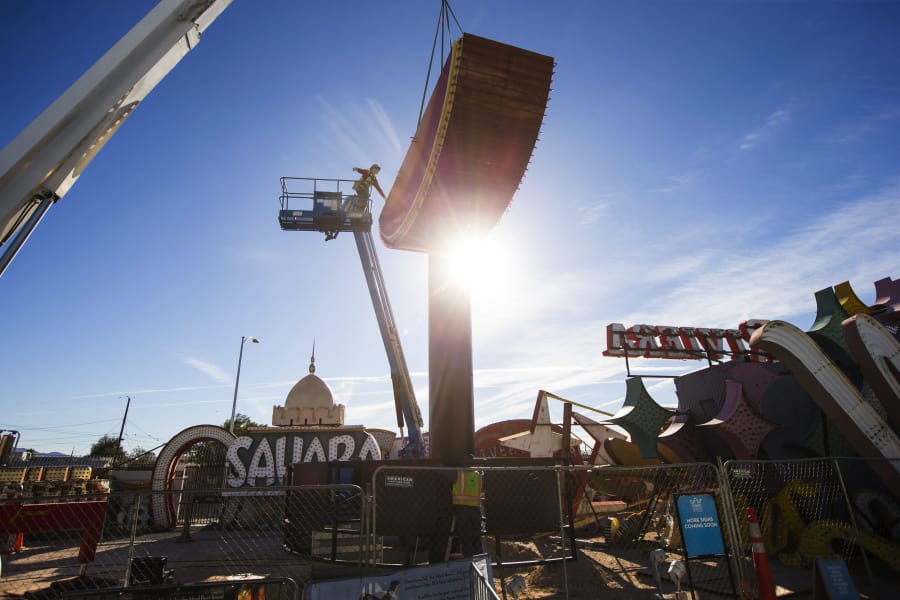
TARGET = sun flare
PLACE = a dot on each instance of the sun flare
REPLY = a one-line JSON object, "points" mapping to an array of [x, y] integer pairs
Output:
{"points": [[481, 265]]}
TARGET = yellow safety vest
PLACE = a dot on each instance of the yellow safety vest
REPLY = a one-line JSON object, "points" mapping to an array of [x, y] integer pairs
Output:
{"points": [[467, 489], [364, 183]]}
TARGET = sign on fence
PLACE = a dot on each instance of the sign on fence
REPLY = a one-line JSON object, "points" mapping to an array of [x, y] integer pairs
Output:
{"points": [[832, 581], [444, 581], [700, 528]]}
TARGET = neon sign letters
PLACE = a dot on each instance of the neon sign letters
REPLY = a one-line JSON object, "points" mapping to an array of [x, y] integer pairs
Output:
{"points": [[261, 459], [683, 343]]}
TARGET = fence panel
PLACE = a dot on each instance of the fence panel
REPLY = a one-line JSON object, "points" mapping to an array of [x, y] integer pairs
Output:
{"points": [[103, 543], [630, 522], [620, 540], [811, 508], [875, 517], [534, 540], [415, 522]]}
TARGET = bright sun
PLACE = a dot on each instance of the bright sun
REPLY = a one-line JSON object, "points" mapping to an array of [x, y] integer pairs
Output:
{"points": [[481, 265]]}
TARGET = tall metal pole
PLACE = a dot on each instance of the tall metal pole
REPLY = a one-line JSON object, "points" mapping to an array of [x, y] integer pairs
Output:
{"points": [[451, 396], [122, 429], [237, 380]]}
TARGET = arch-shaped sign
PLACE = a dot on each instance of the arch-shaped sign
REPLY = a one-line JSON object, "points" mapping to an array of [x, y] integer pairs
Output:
{"points": [[472, 146], [163, 505]]}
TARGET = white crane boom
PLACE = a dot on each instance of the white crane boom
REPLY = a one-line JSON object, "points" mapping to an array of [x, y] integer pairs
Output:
{"points": [[40, 165]]}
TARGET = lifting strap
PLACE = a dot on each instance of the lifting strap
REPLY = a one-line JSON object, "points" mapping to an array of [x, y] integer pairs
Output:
{"points": [[443, 26]]}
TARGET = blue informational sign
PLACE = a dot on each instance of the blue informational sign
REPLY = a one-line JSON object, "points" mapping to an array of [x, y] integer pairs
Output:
{"points": [[832, 581], [700, 527]]}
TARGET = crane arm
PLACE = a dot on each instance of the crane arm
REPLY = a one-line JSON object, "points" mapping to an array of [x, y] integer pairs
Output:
{"points": [[404, 395], [40, 165], [328, 217]]}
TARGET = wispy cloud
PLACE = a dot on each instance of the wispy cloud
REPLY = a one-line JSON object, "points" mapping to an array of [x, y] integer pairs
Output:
{"points": [[361, 131], [344, 134], [774, 122], [874, 121], [214, 372], [386, 128], [676, 183], [556, 334], [780, 278], [145, 392], [593, 214]]}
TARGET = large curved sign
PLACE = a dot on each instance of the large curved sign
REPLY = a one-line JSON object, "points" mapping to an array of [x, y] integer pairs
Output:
{"points": [[836, 395], [471, 147], [258, 459]]}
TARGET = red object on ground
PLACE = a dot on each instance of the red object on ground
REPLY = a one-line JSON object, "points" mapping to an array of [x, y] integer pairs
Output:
{"points": [[764, 583], [18, 542], [32, 518]]}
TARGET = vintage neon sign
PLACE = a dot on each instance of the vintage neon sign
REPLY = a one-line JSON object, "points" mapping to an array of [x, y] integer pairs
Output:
{"points": [[682, 343], [261, 459]]}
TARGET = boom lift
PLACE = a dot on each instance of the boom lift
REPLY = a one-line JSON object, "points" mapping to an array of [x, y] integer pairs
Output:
{"points": [[332, 212], [41, 164]]}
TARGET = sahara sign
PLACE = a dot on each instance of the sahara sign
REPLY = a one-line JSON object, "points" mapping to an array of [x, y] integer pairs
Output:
{"points": [[684, 343], [261, 459]]}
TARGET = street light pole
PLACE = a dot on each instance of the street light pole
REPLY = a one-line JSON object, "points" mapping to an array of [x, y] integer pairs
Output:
{"points": [[237, 379]]}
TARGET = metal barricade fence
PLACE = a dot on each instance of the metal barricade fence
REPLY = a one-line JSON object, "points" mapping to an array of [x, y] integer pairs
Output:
{"points": [[787, 495], [875, 515], [414, 520], [570, 531], [280, 588], [480, 588], [820, 508], [630, 519], [89, 544], [532, 530]]}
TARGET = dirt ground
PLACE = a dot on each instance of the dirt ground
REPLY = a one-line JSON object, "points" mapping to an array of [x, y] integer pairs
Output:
{"points": [[593, 574], [599, 570], [624, 574]]}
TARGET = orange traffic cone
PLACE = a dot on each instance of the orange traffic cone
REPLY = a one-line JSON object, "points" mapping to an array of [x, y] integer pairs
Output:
{"points": [[760, 559], [14, 543]]}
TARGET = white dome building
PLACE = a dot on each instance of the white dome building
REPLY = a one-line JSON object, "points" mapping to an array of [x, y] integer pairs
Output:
{"points": [[310, 402]]}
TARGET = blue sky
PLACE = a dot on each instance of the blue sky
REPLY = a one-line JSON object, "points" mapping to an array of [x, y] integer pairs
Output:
{"points": [[700, 163]]}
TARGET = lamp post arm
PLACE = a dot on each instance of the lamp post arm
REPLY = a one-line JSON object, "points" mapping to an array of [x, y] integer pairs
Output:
{"points": [[237, 380]]}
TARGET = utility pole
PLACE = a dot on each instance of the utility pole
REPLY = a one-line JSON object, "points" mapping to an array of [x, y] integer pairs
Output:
{"points": [[122, 429]]}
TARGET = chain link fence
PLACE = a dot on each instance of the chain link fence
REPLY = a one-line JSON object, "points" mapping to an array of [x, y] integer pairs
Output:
{"points": [[632, 522], [89, 544], [548, 530], [822, 508]]}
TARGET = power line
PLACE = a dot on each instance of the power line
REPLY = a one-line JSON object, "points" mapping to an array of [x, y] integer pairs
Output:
{"points": [[59, 427]]}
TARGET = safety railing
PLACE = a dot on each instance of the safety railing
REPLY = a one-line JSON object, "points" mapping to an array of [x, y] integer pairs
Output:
{"points": [[305, 189]]}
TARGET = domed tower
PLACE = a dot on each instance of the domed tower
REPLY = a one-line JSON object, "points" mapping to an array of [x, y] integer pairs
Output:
{"points": [[310, 402]]}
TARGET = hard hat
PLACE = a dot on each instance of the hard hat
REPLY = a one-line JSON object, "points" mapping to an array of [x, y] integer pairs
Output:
{"points": [[375, 168]]}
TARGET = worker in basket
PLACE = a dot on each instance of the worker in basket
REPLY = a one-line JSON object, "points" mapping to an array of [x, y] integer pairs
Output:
{"points": [[355, 206], [362, 186]]}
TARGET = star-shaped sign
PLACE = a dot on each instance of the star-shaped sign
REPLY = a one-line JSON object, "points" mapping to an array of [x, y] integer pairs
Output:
{"points": [[600, 433], [641, 417], [739, 425], [541, 441]]}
